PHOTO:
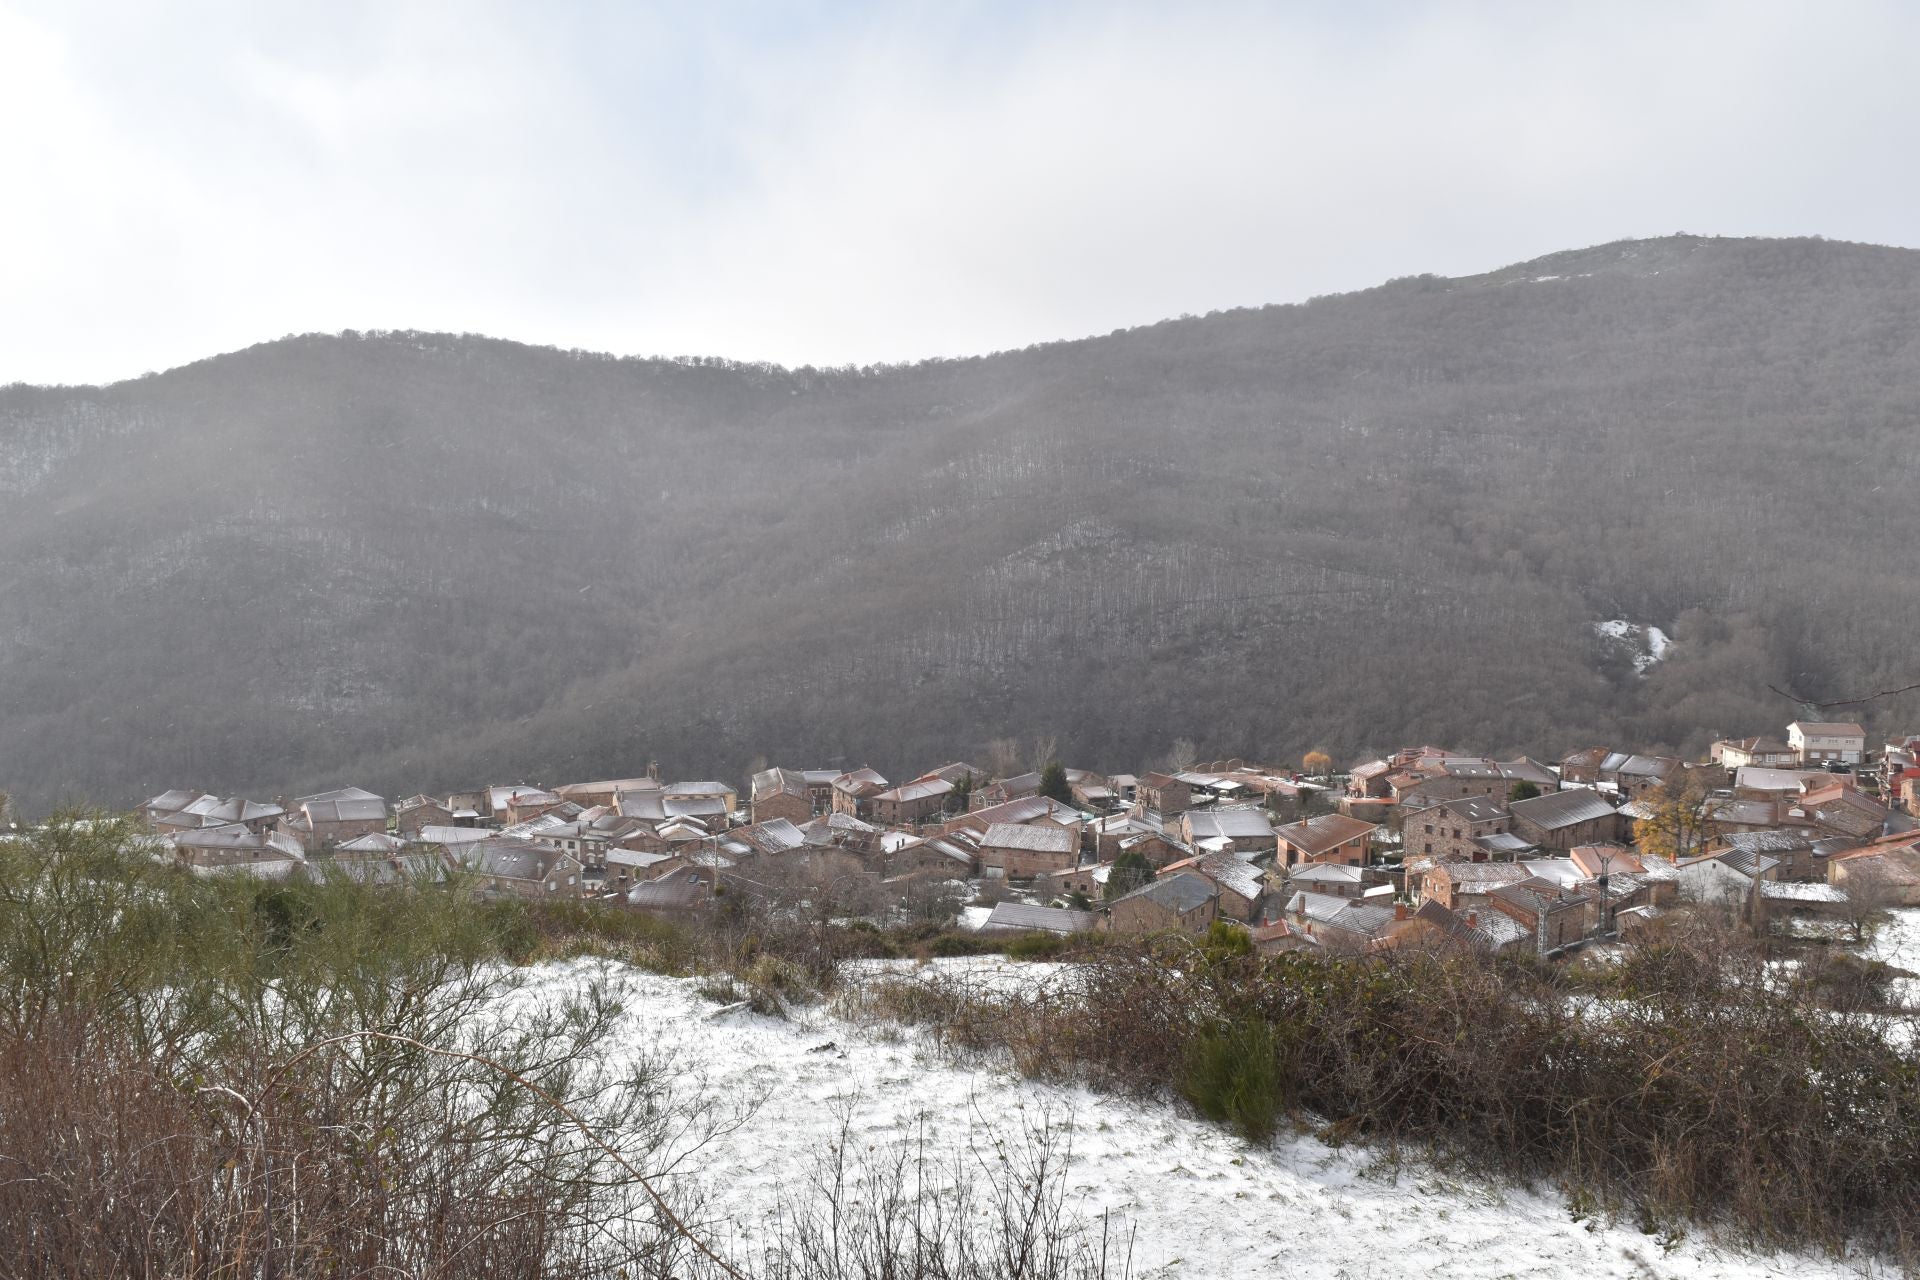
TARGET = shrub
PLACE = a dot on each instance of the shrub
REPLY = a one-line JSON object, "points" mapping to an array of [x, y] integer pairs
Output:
{"points": [[1036, 946], [1233, 1077]]}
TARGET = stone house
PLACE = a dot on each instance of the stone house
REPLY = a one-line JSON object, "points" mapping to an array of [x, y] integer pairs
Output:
{"points": [[1239, 886], [1582, 767], [1163, 794], [854, 790], [1334, 879], [1028, 810], [1453, 830], [910, 803], [1563, 819], [1240, 828], [782, 793], [1331, 837], [164, 805], [1183, 900], [1553, 916], [234, 849], [416, 813], [1449, 883], [1021, 851], [1632, 775], [521, 868], [331, 817]]}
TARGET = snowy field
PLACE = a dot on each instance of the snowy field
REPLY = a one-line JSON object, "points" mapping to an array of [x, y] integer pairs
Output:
{"points": [[1201, 1202]]}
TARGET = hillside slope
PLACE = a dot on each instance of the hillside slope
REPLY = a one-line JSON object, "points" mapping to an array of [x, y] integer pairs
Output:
{"points": [[414, 560]]}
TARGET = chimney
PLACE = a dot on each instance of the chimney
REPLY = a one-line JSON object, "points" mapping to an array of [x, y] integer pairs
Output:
{"points": [[1473, 919], [653, 770], [1400, 911]]}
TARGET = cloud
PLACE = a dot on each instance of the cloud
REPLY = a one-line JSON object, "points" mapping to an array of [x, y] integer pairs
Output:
{"points": [[823, 185]]}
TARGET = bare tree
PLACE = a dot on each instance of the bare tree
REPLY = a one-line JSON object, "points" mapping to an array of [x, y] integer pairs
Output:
{"points": [[1003, 757], [1870, 893]]}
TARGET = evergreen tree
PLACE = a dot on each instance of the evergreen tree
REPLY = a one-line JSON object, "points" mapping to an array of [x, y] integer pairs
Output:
{"points": [[1053, 782]]}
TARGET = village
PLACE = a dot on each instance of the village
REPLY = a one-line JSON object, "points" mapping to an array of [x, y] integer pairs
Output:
{"points": [[1426, 845]]}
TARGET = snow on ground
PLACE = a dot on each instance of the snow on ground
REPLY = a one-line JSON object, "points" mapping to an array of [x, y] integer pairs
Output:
{"points": [[1202, 1202], [1649, 643], [1897, 942]]}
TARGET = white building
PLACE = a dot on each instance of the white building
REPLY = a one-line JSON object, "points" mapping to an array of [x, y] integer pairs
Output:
{"points": [[1819, 741]]}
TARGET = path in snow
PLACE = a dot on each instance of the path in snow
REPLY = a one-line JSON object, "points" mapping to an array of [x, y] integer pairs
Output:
{"points": [[1203, 1203]]}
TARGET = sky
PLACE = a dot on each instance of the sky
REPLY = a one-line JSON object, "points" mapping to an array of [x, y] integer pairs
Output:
{"points": [[816, 183]]}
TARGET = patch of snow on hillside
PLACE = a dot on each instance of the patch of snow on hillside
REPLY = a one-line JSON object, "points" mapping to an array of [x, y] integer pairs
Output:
{"points": [[1648, 644], [1203, 1203]]}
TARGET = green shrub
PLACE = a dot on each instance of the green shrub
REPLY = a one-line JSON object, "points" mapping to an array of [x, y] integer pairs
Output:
{"points": [[1036, 946], [1233, 1076]]}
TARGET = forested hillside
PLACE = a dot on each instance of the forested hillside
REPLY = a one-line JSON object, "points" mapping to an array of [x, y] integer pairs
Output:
{"points": [[417, 560]]}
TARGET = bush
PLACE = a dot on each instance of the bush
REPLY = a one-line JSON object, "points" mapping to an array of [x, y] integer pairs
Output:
{"points": [[1036, 946], [1233, 1077]]}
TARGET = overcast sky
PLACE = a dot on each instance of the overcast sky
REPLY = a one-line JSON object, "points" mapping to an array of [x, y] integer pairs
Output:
{"points": [[830, 183]]}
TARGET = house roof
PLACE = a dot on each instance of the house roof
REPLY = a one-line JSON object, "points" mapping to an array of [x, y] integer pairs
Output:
{"points": [[341, 793], [1788, 892], [348, 809], [1747, 864], [1362, 919], [1326, 873], [432, 834], [1482, 875], [419, 802], [1011, 835], [777, 836], [1025, 809], [1561, 871], [674, 893], [1021, 915], [236, 809], [1761, 746], [1617, 859], [1502, 842], [1328, 831], [501, 797], [918, 789], [1557, 809], [1636, 766], [861, 782], [1753, 777], [1228, 871], [608, 786], [236, 839], [1179, 893], [1827, 729], [506, 858], [769, 783], [1239, 823], [1776, 841], [1490, 929], [1474, 809], [374, 842]]}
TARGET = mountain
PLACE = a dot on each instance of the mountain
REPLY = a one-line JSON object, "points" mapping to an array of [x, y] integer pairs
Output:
{"points": [[412, 560]]}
